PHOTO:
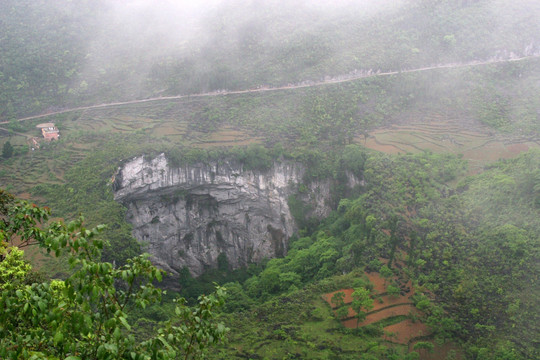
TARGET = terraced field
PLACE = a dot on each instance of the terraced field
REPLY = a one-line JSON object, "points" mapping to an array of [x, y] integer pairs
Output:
{"points": [[80, 135], [227, 136], [478, 144], [390, 310], [396, 315], [405, 331], [46, 165]]}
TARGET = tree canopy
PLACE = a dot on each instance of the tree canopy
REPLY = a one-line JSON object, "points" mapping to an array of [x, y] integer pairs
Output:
{"points": [[7, 150], [86, 315]]}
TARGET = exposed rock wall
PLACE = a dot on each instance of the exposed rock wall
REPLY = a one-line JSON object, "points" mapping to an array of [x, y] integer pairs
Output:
{"points": [[189, 215]]}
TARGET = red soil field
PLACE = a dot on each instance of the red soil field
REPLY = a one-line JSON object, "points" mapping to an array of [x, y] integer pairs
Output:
{"points": [[383, 314], [350, 314], [378, 306], [385, 306], [379, 288], [389, 301], [516, 149], [405, 331], [379, 302], [347, 300], [24, 196], [378, 282]]}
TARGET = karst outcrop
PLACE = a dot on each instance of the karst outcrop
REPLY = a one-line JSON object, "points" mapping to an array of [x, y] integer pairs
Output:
{"points": [[188, 215]]}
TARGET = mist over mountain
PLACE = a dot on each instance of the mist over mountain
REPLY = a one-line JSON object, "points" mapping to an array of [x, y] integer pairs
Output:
{"points": [[102, 51], [363, 177]]}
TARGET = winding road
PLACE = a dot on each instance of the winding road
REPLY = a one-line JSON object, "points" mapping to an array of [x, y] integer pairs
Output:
{"points": [[304, 84]]}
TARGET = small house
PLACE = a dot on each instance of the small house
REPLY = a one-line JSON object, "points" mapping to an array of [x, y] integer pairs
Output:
{"points": [[49, 131]]}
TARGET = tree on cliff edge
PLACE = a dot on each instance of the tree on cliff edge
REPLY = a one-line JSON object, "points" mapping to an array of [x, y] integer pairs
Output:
{"points": [[85, 316]]}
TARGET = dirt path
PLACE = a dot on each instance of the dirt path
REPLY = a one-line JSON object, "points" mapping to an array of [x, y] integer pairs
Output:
{"points": [[305, 84]]}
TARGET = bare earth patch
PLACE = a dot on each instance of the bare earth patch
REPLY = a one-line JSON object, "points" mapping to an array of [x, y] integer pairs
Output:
{"points": [[347, 300], [404, 310], [404, 331], [388, 300], [389, 308], [378, 282], [24, 196]]}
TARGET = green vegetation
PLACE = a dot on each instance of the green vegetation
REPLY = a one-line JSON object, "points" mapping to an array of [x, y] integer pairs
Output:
{"points": [[362, 303], [488, 299], [85, 316], [444, 212], [407, 211], [7, 150]]}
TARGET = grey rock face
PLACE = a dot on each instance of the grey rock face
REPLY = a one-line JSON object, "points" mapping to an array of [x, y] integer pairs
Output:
{"points": [[189, 215]]}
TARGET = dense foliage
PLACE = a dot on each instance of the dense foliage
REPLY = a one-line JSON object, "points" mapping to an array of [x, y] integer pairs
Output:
{"points": [[85, 316], [480, 273]]}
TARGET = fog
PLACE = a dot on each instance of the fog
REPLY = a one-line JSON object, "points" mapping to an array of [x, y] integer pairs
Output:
{"points": [[144, 35], [191, 46], [107, 50]]}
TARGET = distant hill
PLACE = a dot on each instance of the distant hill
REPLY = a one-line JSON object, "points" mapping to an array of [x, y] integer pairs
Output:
{"points": [[59, 53]]}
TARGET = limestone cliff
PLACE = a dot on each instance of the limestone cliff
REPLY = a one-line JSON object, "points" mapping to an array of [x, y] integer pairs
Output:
{"points": [[189, 215]]}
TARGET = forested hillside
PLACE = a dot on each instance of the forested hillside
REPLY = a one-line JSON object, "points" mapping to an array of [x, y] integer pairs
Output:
{"points": [[478, 274], [91, 52], [415, 126]]}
